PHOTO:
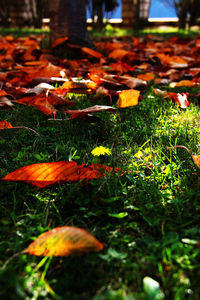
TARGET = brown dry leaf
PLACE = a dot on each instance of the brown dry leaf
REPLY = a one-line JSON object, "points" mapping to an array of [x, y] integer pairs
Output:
{"points": [[128, 98], [45, 104], [63, 241], [180, 98], [134, 82], [82, 113], [5, 102]]}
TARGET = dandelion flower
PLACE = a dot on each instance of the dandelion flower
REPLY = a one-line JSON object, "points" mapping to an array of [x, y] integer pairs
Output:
{"points": [[101, 151]]}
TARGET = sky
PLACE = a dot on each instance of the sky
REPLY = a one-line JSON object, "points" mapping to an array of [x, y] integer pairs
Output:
{"points": [[158, 9]]}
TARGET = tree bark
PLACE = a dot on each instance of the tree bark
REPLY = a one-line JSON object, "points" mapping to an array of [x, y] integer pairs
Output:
{"points": [[68, 18], [194, 12], [136, 14], [99, 7], [182, 9]]}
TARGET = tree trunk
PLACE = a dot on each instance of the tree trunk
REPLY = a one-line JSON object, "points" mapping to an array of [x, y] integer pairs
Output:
{"points": [[20, 13], [194, 12], [182, 10], [5, 13], [68, 18], [136, 13], [99, 7]]}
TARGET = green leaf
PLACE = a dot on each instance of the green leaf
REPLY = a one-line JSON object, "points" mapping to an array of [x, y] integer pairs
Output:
{"points": [[119, 215]]}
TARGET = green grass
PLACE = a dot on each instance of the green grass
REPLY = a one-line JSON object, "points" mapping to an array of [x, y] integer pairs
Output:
{"points": [[110, 31], [19, 32], [148, 219]]}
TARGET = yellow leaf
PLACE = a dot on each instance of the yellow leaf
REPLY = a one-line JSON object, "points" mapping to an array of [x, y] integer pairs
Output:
{"points": [[128, 98], [63, 241]]}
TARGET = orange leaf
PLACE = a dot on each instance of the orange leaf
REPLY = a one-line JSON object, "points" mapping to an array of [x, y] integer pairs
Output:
{"points": [[2, 93], [128, 98], [42, 70], [117, 54], [63, 241], [173, 61], [79, 86], [45, 174], [147, 76], [91, 52], [5, 125], [182, 83], [59, 41], [196, 159]]}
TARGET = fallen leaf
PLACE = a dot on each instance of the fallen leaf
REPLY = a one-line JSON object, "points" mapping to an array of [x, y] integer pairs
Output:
{"points": [[93, 109], [43, 102], [146, 76], [182, 83], [196, 158], [40, 88], [91, 52], [5, 125], [79, 85], [45, 174], [128, 98], [59, 41], [118, 54], [172, 61], [133, 82], [64, 241], [180, 98]]}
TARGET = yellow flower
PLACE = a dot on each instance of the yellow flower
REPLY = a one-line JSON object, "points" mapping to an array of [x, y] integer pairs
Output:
{"points": [[101, 151]]}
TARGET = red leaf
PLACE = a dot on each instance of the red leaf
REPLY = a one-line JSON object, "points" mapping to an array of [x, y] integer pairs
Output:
{"points": [[45, 174], [5, 125], [180, 98], [63, 241], [81, 113]]}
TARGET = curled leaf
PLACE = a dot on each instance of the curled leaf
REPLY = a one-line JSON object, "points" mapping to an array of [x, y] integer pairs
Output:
{"points": [[81, 113], [196, 158], [63, 241]]}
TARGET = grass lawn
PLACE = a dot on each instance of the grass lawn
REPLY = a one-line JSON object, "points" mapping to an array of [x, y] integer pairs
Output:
{"points": [[147, 219]]}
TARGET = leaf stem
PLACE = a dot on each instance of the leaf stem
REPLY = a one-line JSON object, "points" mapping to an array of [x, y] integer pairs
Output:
{"points": [[23, 127], [181, 146], [9, 260]]}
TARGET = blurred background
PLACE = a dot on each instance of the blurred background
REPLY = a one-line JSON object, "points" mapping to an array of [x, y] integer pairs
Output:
{"points": [[135, 14]]}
